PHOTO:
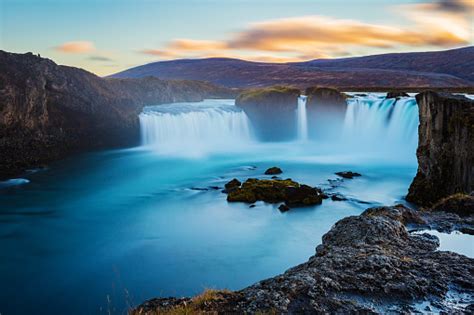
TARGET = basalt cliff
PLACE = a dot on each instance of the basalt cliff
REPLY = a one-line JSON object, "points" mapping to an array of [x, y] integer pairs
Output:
{"points": [[446, 148], [48, 111]]}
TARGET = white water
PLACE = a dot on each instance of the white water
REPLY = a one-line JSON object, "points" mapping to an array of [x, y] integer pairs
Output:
{"points": [[376, 124], [302, 119], [373, 126], [194, 129]]}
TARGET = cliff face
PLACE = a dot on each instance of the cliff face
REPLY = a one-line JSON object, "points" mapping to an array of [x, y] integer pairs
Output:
{"points": [[446, 148], [272, 111], [48, 111], [326, 110]]}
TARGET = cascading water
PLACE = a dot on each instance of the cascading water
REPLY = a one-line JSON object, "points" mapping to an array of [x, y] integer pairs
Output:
{"points": [[194, 129], [302, 119], [374, 123]]}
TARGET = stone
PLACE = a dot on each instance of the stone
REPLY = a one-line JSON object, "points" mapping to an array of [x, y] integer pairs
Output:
{"points": [[274, 191], [397, 95], [273, 171], [348, 174], [232, 185]]}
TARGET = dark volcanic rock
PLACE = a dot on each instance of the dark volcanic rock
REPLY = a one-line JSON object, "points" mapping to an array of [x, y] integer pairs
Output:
{"points": [[232, 185], [366, 264], [462, 205], [445, 150], [348, 174], [48, 111], [283, 208], [272, 111], [273, 171], [275, 191], [338, 197], [397, 95]]}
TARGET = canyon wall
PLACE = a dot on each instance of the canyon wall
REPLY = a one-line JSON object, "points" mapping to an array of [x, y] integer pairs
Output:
{"points": [[446, 148], [48, 111]]}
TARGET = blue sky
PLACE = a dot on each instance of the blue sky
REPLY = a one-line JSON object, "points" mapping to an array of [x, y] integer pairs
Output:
{"points": [[106, 36]]}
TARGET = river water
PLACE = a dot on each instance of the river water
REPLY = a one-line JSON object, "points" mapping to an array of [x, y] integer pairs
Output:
{"points": [[99, 232]]}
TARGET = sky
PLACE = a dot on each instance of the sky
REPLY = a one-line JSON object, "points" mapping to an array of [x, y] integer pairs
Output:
{"points": [[107, 36]]}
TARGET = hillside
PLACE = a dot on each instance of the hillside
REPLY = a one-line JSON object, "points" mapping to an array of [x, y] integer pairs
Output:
{"points": [[451, 68]]}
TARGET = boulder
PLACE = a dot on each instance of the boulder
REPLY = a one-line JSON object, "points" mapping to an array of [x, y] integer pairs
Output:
{"points": [[232, 185], [348, 174], [273, 171]]}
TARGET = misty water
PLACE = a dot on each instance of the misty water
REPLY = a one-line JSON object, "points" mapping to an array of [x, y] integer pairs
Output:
{"points": [[102, 231]]}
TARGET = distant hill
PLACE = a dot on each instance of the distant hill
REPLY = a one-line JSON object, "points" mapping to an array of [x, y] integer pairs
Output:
{"points": [[450, 68]]}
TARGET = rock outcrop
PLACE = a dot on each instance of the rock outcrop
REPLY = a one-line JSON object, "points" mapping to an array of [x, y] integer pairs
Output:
{"points": [[396, 94], [273, 171], [445, 149], [326, 109], [366, 264], [290, 192], [272, 111], [48, 111], [348, 174]]}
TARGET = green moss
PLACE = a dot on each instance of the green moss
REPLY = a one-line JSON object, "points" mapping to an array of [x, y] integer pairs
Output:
{"points": [[261, 95], [275, 191]]}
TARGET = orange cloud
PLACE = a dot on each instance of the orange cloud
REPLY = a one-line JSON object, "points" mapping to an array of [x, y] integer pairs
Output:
{"points": [[445, 23], [196, 45], [76, 47]]}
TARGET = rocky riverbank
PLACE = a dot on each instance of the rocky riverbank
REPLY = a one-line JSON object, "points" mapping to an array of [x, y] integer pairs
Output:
{"points": [[48, 111], [369, 263]]}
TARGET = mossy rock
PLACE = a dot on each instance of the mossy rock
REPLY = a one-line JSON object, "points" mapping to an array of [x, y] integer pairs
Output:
{"points": [[273, 171], [274, 191], [265, 95]]}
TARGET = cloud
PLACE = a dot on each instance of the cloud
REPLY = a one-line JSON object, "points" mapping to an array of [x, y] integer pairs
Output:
{"points": [[76, 47], [99, 58], [444, 23], [456, 6]]}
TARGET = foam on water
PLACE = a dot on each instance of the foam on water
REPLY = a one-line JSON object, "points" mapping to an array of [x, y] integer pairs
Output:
{"points": [[14, 182]]}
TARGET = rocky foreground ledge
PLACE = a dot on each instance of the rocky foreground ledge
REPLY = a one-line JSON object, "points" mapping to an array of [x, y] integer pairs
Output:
{"points": [[369, 263]]}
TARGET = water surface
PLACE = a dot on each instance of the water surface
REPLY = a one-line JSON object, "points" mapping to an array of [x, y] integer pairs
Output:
{"points": [[102, 231]]}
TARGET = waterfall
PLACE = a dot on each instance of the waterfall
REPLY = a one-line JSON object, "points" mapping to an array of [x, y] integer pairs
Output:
{"points": [[194, 129], [302, 119], [377, 124]]}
